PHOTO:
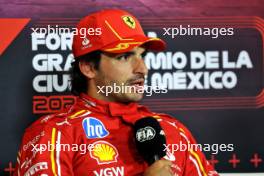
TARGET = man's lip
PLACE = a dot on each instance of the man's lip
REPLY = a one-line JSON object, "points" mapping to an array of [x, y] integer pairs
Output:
{"points": [[140, 82]]}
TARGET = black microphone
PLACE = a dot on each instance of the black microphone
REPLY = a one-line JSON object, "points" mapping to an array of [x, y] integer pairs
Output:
{"points": [[150, 139]]}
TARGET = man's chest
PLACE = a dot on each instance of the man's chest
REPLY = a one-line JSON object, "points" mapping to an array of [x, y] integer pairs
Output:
{"points": [[108, 149]]}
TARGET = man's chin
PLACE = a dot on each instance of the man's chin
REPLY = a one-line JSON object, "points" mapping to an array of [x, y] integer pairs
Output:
{"points": [[132, 97]]}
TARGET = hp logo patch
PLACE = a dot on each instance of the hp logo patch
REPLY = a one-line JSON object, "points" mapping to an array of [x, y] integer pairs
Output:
{"points": [[94, 128]]}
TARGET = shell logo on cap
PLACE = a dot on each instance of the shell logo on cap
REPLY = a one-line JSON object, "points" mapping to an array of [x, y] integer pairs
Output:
{"points": [[129, 21], [86, 43], [104, 152]]}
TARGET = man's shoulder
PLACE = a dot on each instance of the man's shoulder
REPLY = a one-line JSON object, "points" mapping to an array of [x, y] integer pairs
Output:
{"points": [[59, 120], [171, 122]]}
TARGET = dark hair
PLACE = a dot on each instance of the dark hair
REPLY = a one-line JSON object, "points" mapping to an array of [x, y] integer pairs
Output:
{"points": [[78, 80]]}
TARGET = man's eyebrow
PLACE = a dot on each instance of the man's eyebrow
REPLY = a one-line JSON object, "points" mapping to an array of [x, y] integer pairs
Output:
{"points": [[133, 52]]}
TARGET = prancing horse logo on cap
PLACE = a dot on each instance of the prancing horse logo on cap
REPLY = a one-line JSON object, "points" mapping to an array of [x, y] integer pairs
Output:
{"points": [[129, 21]]}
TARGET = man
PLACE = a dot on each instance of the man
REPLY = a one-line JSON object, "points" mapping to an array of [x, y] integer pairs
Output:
{"points": [[104, 122]]}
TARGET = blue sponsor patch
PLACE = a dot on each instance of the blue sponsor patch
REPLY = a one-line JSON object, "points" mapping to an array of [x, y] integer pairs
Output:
{"points": [[94, 128]]}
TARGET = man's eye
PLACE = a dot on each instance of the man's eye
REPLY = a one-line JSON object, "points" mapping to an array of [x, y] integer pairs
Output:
{"points": [[123, 57], [143, 54]]}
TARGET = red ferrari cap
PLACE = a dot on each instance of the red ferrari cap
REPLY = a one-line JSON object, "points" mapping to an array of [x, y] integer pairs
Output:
{"points": [[113, 31]]}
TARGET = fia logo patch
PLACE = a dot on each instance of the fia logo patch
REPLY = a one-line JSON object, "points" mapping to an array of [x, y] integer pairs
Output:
{"points": [[145, 134]]}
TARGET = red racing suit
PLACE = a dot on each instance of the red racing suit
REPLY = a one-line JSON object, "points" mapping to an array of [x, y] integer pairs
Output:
{"points": [[94, 137]]}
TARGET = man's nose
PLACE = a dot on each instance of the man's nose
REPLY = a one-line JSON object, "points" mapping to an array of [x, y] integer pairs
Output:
{"points": [[140, 66]]}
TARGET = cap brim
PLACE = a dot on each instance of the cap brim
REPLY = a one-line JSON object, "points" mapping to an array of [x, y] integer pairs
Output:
{"points": [[125, 45]]}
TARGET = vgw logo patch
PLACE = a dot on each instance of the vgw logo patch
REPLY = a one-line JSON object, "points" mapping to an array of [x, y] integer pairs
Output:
{"points": [[94, 128]]}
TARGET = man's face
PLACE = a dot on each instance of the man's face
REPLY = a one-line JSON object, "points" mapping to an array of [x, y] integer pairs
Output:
{"points": [[126, 69]]}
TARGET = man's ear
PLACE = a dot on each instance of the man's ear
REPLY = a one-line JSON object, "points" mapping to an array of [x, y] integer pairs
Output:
{"points": [[87, 69]]}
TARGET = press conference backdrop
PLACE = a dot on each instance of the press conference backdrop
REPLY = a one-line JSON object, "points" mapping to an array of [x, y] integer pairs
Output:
{"points": [[214, 82]]}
